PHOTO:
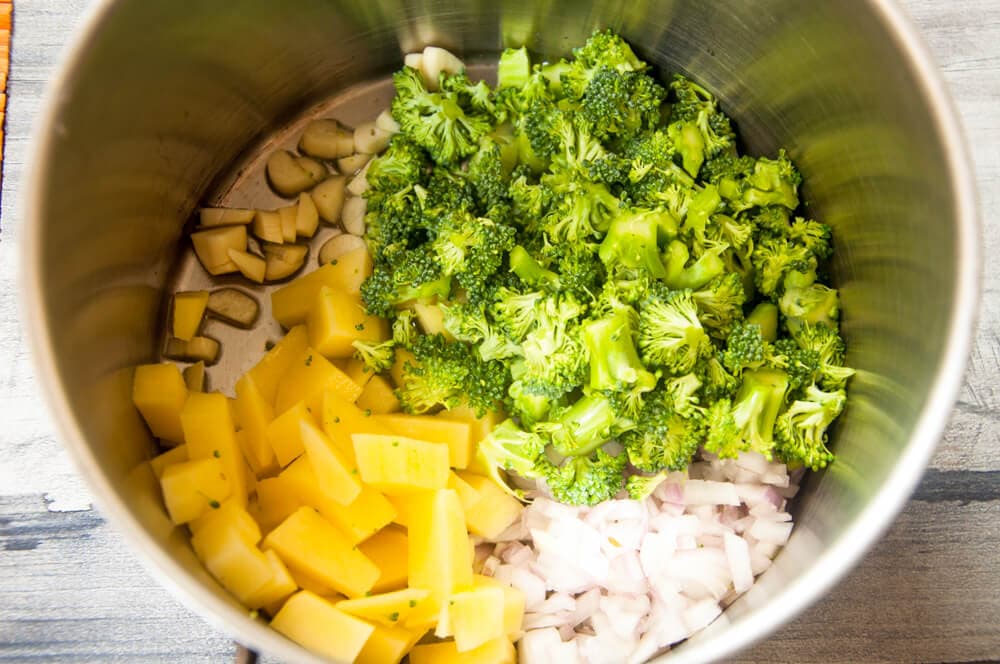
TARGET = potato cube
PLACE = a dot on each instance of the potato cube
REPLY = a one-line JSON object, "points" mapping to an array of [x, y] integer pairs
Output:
{"points": [[208, 217], [194, 376], [342, 418], [378, 397], [513, 604], [356, 370], [337, 475], [397, 465], [403, 507], [189, 309], [279, 585], [338, 319], [290, 304], [440, 555], [254, 413], [308, 377], [284, 433], [173, 455], [307, 217], [468, 496], [308, 542], [234, 561], [288, 216], [209, 431], [480, 428], [230, 514], [159, 392], [388, 645], [497, 651], [267, 226], [389, 609], [476, 616], [276, 500], [317, 625], [495, 511], [250, 266], [190, 488], [387, 549], [212, 245], [457, 435], [268, 372], [367, 515]]}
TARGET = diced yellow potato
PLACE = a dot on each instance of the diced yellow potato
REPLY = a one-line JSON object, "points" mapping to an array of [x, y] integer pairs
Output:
{"points": [[191, 488], [283, 260], [431, 319], [468, 496], [279, 585], [250, 266], [403, 507], [228, 515], [387, 549], [308, 542], [234, 561], [398, 465], [306, 582], [513, 604], [456, 434], [339, 245], [286, 176], [327, 139], [254, 413], [398, 368], [440, 555], [159, 392], [425, 616], [267, 226], [329, 196], [198, 349], [378, 397], [173, 455], [356, 370], [308, 377], [317, 625], [288, 216], [342, 418], [476, 616], [233, 306], [337, 476], [367, 515], [481, 427], [495, 511], [388, 645], [268, 372], [189, 309], [315, 168], [284, 433], [208, 429], [276, 500], [337, 319], [209, 217], [387, 609], [211, 247], [290, 304], [194, 376], [306, 217], [497, 651]]}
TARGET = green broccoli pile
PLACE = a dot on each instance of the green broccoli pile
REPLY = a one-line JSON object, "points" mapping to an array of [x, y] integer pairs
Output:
{"points": [[587, 249]]}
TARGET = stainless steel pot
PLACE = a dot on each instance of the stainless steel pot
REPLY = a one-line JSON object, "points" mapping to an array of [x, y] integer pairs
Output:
{"points": [[157, 98]]}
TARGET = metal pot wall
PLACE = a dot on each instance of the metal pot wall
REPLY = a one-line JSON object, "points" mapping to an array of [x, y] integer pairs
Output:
{"points": [[157, 98]]}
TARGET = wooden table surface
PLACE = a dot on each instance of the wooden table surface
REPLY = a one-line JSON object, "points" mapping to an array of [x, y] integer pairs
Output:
{"points": [[928, 592]]}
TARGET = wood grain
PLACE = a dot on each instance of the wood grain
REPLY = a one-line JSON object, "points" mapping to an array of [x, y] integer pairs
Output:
{"points": [[928, 592]]}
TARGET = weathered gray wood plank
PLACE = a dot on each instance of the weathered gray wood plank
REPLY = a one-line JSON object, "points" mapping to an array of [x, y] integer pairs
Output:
{"points": [[929, 592]]}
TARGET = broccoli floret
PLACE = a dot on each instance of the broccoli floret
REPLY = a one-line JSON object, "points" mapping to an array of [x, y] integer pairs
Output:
{"points": [[716, 382], [376, 356], [640, 487], [530, 271], [402, 165], [681, 394], [528, 200], [508, 447], [773, 182], [515, 312], [514, 68], [727, 166], [670, 334], [449, 374], [814, 304], [620, 104], [829, 350], [690, 144], [802, 365], [661, 438], [747, 424], [584, 209], [404, 328], [701, 206], [708, 265], [720, 304], [606, 49], [488, 176], [472, 250], [745, 348], [587, 480], [580, 269], [813, 235], [614, 362], [436, 121], [477, 96], [631, 241], [773, 258], [581, 428], [468, 323], [800, 432], [553, 358]]}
